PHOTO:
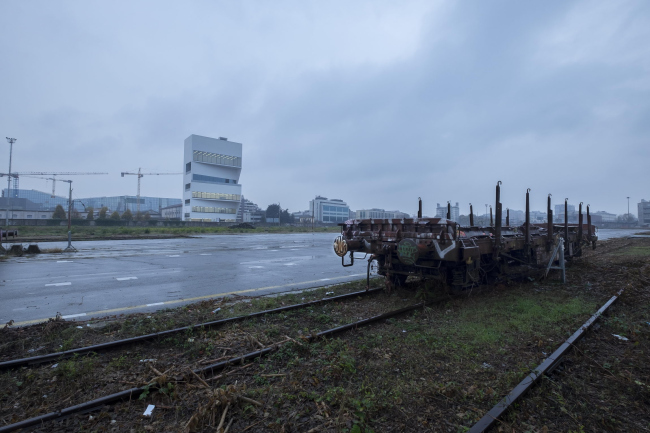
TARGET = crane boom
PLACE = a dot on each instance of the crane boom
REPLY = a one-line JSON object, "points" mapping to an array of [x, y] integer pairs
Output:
{"points": [[50, 173], [140, 174]]}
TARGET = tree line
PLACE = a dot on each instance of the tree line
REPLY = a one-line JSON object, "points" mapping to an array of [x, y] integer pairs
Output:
{"points": [[273, 211]]}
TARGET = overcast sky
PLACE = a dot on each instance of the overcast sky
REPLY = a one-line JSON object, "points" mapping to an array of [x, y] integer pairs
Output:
{"points": [[377, 103]]}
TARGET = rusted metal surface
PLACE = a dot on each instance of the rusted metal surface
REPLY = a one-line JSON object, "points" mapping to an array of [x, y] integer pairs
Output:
{"points": [[462, 257]]}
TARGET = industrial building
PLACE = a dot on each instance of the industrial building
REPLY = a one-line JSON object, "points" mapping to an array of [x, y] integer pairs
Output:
{"points": [[329, 210], [375, 213], [558, 213], [249, 212], [211, 189], [644, 212], [441, 211], [26, 199]]}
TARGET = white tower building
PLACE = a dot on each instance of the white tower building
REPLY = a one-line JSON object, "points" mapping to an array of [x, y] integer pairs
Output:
{"points": [[211, 189]]}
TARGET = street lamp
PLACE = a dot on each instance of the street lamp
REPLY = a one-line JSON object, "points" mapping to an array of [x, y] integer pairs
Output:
{"points": [[11, 148], [628, 210]]}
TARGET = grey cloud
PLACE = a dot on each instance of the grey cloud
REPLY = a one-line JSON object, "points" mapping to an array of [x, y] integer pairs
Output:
{"points": [[539, 96]]}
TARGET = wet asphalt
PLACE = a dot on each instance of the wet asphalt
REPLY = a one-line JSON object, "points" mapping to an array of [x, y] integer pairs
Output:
{"points": [[116, 277]]}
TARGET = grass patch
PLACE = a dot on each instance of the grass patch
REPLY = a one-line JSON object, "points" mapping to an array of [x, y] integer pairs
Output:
{"points": [[51, 250], [640, 251], [99, 232]]}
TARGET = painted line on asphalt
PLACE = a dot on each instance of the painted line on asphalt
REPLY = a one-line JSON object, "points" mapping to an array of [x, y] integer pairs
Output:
{"points": [[205, 254], [184, 300], [126, 278], [59, 284], [174, 255], [64, 261], [71, 316]]}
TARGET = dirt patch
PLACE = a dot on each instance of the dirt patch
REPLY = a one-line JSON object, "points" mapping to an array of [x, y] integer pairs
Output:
{"points": [[438, 369]]}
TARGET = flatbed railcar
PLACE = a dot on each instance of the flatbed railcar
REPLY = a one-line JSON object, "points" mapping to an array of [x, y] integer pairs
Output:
{"points": [[462, 257]]}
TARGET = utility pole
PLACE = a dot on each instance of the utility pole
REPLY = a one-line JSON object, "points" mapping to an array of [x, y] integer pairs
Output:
{"points": [[69, 247], [11, 149], [279, 213]]}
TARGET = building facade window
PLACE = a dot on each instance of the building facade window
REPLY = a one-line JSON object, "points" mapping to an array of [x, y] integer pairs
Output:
{"points": [[188, 186], [188, 167], [216, 196], [208, 209], [211, 179], [217, 159], [187, 201]]}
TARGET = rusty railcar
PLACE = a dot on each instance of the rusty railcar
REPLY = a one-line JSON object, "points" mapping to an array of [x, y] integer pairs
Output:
{"points": [[462, 257]]}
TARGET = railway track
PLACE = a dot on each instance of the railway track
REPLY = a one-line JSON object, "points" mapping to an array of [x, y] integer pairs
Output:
{"points": [[36, 360], [491, 418], [135, 392]]}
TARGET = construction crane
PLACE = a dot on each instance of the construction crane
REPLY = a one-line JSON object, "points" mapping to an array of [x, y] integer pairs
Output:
{"points": [[140, 174], [40, 173], [54, 180]]}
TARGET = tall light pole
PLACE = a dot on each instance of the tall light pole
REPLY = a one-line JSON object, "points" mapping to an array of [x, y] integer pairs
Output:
{"points": [[11, 149], [485, 217], [628, 210]]}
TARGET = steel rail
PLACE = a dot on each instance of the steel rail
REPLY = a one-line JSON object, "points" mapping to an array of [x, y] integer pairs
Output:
{"points": [[135, 392], [221, 365], [547, 366], [112, 344]]}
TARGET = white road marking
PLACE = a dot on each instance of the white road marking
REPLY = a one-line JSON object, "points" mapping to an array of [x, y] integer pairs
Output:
{"points": [[157, 303], [64, 261], [324, 279], [59, 284], [289, 264], [255, 267], [205, 254], [187, 300], [273, 250], [70, 316], [126, 278], [174, 255]]}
